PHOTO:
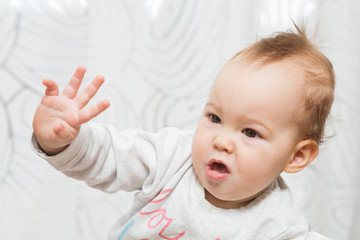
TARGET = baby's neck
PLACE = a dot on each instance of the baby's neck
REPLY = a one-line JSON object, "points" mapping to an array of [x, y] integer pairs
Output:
{"points": [[227, 204]]}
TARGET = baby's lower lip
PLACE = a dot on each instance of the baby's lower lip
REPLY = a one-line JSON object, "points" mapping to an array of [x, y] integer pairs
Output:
{"points": [[215, 175]]}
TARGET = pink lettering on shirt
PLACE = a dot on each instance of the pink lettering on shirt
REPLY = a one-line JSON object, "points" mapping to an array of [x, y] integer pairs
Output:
{"points": [[159, 216]]}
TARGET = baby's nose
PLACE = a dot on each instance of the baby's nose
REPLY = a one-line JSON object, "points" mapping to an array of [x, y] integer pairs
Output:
{"points": [[224, 142]]}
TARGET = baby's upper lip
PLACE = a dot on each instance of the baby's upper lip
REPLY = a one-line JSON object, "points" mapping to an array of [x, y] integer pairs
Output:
{"points": [[219, 165]]}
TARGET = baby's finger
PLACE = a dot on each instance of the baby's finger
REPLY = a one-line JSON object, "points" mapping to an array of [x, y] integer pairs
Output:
{"points": [[73, 86], [60, 132], [51, 87], [90, 112], [58, 128], [89, 92]]}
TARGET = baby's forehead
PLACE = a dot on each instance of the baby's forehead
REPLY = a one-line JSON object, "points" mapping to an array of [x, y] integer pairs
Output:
{"points": [[289, 72], [261, 80]]}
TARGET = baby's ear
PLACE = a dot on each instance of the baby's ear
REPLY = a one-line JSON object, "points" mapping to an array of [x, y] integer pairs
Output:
{"points": [[305, 151]]}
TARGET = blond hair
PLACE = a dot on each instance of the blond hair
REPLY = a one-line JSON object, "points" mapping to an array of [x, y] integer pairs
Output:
{"points": [[319, 82]]}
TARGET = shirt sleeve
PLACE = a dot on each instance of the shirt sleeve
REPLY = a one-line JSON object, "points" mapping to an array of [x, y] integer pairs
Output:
{"points": [[128, 160]]}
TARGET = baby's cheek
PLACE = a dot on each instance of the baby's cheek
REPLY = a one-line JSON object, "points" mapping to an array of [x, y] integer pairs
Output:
{"points": [[255, 171], [197, 145], [199, 155], [196, 152], [261, 175]]}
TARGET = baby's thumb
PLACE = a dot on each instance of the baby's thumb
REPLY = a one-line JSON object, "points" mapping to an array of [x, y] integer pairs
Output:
{"points": [[62, 134], [51, 87]]}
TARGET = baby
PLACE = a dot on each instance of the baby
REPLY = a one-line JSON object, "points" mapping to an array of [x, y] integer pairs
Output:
{"points": [[265, 114]]}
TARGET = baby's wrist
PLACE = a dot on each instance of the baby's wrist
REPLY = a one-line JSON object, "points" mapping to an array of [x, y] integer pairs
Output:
{"points": [[51, 151]]}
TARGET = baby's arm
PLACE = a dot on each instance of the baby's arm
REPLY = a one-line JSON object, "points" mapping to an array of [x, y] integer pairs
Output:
{"points": [[58, 118]]}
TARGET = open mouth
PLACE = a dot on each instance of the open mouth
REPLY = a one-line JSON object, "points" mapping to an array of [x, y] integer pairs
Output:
{"points": [[217, 170], [219, 167]]}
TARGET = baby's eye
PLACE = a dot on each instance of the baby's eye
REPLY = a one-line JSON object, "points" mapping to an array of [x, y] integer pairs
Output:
{"points": [[250, 133], [213, 118]]}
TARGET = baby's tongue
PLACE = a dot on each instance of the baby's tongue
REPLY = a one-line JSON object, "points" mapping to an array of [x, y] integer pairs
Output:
{"points": [[219, 167]]}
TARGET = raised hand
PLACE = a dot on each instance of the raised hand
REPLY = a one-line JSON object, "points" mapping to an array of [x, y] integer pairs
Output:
{"points": [[58, 118]]}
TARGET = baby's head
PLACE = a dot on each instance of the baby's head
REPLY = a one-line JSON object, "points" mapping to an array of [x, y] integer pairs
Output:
{"points": [[265, 114]]}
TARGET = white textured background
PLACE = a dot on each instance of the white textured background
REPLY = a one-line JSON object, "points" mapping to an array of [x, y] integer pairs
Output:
{"points": [[159, 58]]}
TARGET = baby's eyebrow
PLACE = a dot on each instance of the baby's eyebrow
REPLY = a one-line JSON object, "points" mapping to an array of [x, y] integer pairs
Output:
{"points": [[212, 104]]}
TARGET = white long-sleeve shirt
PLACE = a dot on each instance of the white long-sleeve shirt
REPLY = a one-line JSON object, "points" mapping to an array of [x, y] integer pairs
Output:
{"points": [[170, 202]]}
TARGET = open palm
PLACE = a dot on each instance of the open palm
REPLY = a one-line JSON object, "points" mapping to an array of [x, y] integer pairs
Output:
{"points": [[58, 118]]}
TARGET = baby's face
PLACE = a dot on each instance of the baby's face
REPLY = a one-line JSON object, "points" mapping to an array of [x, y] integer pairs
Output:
{"points": [[247, 133]]}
